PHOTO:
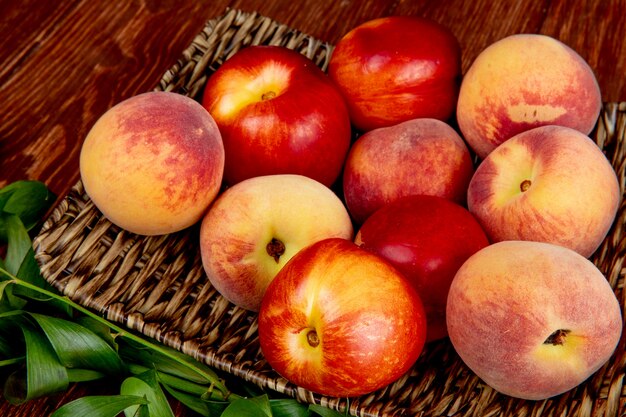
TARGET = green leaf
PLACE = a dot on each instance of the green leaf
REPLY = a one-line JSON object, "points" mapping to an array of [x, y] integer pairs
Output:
{"points": [[9, 319], [19, 243], [264, 403], [29, 271], [5, 302], [29, 200], [10, 302], [325, 412], [253, 407], [146, 385], [20, 259], [200, 406], [44, 373], [288, 408], [183, 384], [84, 375], [153, 359], [6, 349], [3, 285], [79, 347], [12, 361], [99, 328], [99, 406], [206, 392]]}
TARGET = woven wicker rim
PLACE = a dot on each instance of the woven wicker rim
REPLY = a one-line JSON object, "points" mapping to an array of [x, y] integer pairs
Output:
{"points": [[156, 285]]}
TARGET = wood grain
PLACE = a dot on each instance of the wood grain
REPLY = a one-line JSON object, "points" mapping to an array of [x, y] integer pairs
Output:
{"points": [[68, 61]]}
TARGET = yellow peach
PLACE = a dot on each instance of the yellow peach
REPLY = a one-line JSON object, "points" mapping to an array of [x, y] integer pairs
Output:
{"points": [[256, 226], [532, 319], [153, 163], [419, 156], [521, 82], [549, 184]]}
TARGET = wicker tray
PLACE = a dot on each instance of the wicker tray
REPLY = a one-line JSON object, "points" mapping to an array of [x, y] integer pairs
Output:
{"points": [[156, 285]]}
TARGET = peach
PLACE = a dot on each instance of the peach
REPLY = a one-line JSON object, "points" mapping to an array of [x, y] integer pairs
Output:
{"points": [[532, 319], [254, 228], [419, 156], [521, 82], [153, 163], [549, 184]]}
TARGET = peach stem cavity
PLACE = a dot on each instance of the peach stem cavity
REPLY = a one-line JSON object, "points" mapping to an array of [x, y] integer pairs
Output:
{"points": [[275, 248], [557, 338]]}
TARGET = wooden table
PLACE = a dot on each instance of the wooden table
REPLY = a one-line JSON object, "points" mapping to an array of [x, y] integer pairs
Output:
{"points": [[66, 62]]}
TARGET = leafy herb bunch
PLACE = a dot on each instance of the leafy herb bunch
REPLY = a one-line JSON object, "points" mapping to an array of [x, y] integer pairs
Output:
{"points": [[48, 342]]}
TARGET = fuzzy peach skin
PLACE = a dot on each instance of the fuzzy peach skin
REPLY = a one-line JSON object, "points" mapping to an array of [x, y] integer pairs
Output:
{"points": [[532, 319], [153, 163], [521, 82], [258, 224], [549, 184], [419, 156]]}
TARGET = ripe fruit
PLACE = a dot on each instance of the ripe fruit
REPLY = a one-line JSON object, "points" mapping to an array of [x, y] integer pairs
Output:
{"points": [[397, 68], [420, 156], [427, 239], [278, 114], [549, 184], [522, 82], [340, 321], [257, 225], [153, 163], [532, 319]]}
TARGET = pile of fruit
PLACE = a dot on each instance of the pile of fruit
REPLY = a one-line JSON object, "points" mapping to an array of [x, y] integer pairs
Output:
{"points": [[385, 204]]}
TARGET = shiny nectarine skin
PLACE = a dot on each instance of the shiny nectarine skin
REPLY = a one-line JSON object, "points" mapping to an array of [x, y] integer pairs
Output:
{"points": [[278, 114], [397, 68], [427, 239], [340, 321]]}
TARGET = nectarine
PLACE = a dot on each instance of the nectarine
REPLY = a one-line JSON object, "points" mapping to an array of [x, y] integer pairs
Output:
{"points": [[427, 239], [340, 321]]}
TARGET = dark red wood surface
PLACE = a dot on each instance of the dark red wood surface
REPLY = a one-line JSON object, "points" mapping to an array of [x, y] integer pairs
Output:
{"points": [[66, 62]]}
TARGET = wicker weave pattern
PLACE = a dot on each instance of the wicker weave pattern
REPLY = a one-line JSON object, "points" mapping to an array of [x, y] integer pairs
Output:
{"points": [[156, 285]]}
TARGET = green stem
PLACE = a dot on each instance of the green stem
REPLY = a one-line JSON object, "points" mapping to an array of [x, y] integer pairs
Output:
{"points": [[121, 332], [12, 361], [182, 384]]}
